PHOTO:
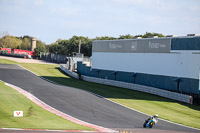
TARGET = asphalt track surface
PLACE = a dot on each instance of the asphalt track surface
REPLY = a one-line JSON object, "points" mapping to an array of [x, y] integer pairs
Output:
{"points": [[79, 103]]}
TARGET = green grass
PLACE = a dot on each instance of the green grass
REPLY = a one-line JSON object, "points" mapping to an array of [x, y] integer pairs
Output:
{"points": [[5, 61], [34, 117], [167, 109]]}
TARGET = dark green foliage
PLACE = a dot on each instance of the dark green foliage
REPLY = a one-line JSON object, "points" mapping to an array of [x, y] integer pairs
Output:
{"points": [[126, 36], [40, 47], [148, 35], [105, 38], [68, 47], [37, 51]]}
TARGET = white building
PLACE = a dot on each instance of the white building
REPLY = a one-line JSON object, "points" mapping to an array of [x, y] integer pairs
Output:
{"points": [[164, 58]]}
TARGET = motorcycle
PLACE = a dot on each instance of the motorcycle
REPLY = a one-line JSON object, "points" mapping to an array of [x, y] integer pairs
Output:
{"points": [[149, 123]]}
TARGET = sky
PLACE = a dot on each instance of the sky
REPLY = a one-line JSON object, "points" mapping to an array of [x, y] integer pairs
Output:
{"points": [[49, 20]]}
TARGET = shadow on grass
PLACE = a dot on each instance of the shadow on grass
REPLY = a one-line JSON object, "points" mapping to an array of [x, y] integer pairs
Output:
{"points": [[112, 92]]}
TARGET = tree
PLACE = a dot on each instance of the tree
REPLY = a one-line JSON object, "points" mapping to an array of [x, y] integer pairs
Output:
{"points": [[86, 45], [10, 42], [26, 44], [148, 35], [126, 36], [68, 47], [54, 48], [38, 50], [40, 47], [105, 38], [40, 44]]}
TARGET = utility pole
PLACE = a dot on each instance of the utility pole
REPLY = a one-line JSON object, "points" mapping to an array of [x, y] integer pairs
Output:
{"points": [[79, 50]]}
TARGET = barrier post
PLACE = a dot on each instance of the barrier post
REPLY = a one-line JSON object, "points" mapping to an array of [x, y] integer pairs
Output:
{"points": [[190, 99]]}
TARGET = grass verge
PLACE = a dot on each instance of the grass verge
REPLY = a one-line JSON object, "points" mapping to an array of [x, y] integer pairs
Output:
{"points": [[34, 117], [167, 109]]}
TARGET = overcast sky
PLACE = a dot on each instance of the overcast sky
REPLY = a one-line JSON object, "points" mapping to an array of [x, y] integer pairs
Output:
{"points": [[49, 20]]}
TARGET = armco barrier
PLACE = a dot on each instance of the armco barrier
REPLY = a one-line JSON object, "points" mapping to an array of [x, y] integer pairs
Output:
{"points": [[151, 90], [70, 73]]}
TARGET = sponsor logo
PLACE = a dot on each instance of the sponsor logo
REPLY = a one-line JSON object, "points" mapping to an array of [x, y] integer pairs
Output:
{"points": [[18, 113]]}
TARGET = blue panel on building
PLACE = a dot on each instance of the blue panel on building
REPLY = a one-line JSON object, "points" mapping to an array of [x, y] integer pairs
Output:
{"points": [[93, 73], [106, 74], [163, 82], [189, 85], [185, 43], [158, 81], [125, 77], [80, 68]]}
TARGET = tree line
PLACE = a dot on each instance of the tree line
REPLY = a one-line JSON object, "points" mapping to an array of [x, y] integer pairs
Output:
{"points": [[67, 47], [64, 47]]}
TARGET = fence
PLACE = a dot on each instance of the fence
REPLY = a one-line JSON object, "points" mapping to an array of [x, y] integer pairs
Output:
{"points": [[57, 58], [71, 62]]}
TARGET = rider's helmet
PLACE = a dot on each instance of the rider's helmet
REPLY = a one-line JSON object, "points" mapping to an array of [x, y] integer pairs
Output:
{"points": [[155, 116]]}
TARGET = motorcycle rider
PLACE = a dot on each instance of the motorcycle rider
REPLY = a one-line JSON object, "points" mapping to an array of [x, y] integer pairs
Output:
{"points": [[155, 118]]}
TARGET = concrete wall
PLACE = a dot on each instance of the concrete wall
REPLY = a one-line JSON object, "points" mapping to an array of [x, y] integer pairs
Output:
{"points": [[151, 90], [70, 73]]}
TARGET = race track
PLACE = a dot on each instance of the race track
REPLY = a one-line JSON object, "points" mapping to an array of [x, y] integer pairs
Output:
{"points": [[79, 103]]}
